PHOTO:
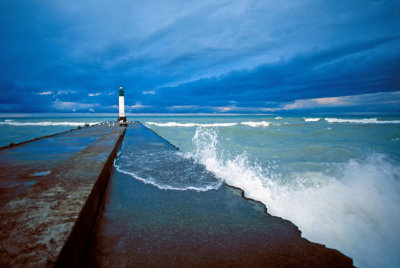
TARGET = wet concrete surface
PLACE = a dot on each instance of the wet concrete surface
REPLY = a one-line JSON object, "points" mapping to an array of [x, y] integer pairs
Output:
{"points": [[49, 190], [144, 226]]}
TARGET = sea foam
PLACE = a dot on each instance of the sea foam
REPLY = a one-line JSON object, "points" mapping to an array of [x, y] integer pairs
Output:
{"points": [[229, 124], [355, 211], [155, 182], [311, 119], [164, 169], [256, 124], [362, 121], [176, 124]]}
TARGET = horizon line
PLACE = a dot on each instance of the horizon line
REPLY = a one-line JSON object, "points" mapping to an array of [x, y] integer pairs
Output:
{"points": [[3, 115]]}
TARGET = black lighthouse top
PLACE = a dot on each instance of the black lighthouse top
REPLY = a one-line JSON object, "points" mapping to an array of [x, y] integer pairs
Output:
{"points": [[121, 91]]}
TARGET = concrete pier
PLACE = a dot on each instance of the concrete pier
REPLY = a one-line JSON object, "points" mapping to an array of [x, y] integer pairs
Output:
{"points": [[144, 226], [51, 190], [63, 203]]}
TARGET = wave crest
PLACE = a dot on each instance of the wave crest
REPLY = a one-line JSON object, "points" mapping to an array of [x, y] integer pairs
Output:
{"points": [[176, 124], [362, 121], [311, 119], [231, 124], [256, 124]]}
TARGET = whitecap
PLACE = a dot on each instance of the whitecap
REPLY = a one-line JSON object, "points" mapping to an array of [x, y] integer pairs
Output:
{"points": [[311, 119], [176, 124], [362, 121], [256, 124]]}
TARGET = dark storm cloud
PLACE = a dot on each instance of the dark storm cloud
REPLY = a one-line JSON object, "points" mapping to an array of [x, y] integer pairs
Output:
{"points": [[194, 56], [334, 72]]}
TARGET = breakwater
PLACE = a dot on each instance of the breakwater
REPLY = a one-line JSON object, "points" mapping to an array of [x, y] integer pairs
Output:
{"points": [[140, 225]]}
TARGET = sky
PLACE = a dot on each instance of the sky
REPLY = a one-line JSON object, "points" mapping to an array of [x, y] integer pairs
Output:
{"points": [[186, 56]]}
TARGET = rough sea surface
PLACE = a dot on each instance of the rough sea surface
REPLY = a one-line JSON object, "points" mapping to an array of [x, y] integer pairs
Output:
{"points": [[336, 177]]}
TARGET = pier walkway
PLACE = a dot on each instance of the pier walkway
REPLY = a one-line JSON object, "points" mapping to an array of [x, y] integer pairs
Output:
{"points": [[50, 193]]}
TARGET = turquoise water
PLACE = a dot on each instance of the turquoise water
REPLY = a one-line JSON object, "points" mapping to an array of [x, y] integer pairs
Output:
{"points": [[336, 178]]}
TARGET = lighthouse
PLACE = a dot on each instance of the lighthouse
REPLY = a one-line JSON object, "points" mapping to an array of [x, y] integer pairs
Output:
{"points": [[121, 116]]}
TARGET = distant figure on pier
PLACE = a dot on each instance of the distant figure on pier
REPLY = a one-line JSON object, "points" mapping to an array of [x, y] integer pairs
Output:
{"points": [[121, 117]]}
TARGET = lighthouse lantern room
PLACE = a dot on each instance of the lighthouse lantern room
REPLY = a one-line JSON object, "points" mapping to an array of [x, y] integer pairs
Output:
{"points": [[121, 116]]}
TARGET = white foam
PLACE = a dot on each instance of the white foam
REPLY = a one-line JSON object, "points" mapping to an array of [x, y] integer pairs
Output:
{"points": [[175, 124], [362, 121], [256, 124], [356, 211], [311, 119], [154, 182], [41, 173], [278, 118], [45, 123]]}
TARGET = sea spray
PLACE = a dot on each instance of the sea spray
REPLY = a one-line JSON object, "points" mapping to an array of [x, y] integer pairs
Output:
{"points": [[354, 210]]}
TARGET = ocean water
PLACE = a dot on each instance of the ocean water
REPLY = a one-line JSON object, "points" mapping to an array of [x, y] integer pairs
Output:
{"points": [[336, 177], [19, 129]]}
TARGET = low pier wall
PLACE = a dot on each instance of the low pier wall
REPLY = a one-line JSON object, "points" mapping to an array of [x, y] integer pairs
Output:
{"points": [[51, 190]]}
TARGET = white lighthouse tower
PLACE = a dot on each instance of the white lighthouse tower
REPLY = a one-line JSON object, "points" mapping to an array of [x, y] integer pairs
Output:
{"points": [[121, 116]]}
